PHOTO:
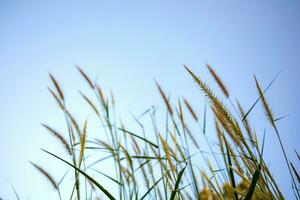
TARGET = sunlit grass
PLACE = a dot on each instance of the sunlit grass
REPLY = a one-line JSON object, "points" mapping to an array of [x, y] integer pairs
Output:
{"points": [[160, 163]]}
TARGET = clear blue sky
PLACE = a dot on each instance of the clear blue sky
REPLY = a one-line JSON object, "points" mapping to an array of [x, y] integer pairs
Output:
{"points": [[128, 43]]}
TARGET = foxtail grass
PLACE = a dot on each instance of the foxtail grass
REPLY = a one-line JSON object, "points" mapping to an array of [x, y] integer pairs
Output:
{"points": [[168, 161]]}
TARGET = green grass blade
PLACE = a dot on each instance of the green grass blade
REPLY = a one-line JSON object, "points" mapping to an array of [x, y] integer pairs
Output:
{"points": [[173, 194], [151, 188], [252, 186], [13, 188], [257, 100], [230, 171], [139, 137], [112, 179], [84, 174]]}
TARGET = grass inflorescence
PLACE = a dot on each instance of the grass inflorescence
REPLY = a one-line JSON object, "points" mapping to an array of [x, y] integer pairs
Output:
{"points": [[167, 162]]}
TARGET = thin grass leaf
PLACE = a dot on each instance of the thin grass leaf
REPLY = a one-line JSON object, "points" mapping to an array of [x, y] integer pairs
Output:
{"points": [[151, 188], [139, 137], [109, 177], [84, 174], [230, 171], [280, 118], [173, 194], [257, 100], [297, 155], [13, 188], [252, 186], [295, 172]]}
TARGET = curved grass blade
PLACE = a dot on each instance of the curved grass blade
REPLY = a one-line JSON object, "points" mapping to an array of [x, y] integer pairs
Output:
{"points": [[84, 174], [137, 136], [230, 171], [173, 194], [151, 188], [110, 178], [257, 100], [254, 180], [13, 188]]}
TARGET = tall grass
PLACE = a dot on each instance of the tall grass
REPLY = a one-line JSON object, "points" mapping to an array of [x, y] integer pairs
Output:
{"points": [[167, 162]]}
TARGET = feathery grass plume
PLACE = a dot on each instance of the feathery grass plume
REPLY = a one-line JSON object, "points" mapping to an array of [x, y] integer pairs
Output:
{"points": [[177, 146], [206, 194], [220, 136], [210, 184], [113, 100], [47, 175], [59, 137], [74, 123], [295, 172], [102, 98], [191, 110], [223, 113], [265, 104], [88, 80], [56, 85], [59, 102], [218, 80], [271, 119], [135, 145], [91, 104], [229, 191], [227, 127], [144, 174], [107, 146], [166, 100], [82, 143], [167, 152]]}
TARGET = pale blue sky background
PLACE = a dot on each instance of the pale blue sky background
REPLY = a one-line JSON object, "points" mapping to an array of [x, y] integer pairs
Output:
{"points": [[127, 44]]}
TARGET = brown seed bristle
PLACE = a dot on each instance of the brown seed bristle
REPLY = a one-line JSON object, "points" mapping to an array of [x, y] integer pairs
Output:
{"points": [[167, 152], [82, 142], [59, 137], [88, 80], [56, 85], [74, 123], [113, 100], [102, 98], [218, 80], [135, 145], [60, 104], [90, 103], [191, 110], [221, 112], [265, 104], [163, 95], [47, 175]]}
